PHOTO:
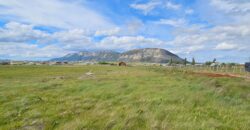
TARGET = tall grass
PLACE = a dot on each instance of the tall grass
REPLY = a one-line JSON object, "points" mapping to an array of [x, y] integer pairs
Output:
{"points": [[63, 97]]}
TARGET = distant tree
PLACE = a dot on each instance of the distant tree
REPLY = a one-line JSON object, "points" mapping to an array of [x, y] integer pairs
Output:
{"points": [[208, 63], [193, 61], [103, 63], [214, 60], [231, 64], [177, 62], [185, 61], [171, 61]]}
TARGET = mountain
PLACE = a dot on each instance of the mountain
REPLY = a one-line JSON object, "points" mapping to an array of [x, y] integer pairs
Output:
{"points": [[4, 60], [90, 56], [150, 55]]}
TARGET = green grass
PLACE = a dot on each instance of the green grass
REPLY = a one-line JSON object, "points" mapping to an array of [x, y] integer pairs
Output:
{"points": [[129, 98]]}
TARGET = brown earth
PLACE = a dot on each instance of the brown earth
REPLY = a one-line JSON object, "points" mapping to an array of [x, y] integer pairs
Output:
{"points": [[218, 75]]}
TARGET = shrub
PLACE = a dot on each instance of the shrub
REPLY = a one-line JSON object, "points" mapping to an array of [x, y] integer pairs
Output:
{"points": [[103, 63]]}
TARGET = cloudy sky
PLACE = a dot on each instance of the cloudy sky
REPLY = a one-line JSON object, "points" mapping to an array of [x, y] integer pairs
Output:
{"points": [[204, 29]]}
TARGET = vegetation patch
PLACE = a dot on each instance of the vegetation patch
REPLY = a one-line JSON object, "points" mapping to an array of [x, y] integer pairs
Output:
{"points": [[113, 97]]}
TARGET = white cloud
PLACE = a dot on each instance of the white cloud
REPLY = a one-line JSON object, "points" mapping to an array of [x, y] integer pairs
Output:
{"points": [[226, 46], [170, 5], [172, 22], [29, 51], [242, 30], [129, 42], [16, 32], [109, 32], [73, 40], [132, 27], [55, 13], [195, 48], [70, 40], [147, 7], [189, 11], [188, 49], [192, 39], [70, 36], [79, 25], [53, 45], [232, 30], [15, 41], [232, 6]]}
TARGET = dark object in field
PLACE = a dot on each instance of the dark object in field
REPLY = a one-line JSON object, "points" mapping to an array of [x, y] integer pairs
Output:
{"points": [[122, 64], [59, 77], [61, 63], [247, 66], [44, 63], [5, 63], [58, 63]]}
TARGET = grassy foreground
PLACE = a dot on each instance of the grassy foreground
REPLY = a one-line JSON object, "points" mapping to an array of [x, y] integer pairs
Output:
{"points": [[129, 98]]}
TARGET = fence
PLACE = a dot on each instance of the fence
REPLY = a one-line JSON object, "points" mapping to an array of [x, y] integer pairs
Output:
{"points": [[232, 70]]}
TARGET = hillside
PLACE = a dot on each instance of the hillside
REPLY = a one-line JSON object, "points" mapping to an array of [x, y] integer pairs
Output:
{"points": [[150, 55], [90, 56], [153, 55]]}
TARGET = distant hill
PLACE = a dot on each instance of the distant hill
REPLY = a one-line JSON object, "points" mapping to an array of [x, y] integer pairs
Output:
{"points": [[4, 60], [150, 55], [90, 56]]}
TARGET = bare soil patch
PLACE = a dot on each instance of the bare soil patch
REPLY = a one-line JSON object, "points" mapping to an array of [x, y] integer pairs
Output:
{"points": [[218, 75]]}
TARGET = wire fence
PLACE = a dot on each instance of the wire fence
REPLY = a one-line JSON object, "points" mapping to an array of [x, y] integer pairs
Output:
{"points": [[230, 70]]}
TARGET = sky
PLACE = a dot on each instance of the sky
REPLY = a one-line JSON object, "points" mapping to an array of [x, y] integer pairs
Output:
{"points": [[203, 29]]}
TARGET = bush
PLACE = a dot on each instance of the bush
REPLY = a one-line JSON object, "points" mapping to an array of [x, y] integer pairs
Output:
{"points": [[103, 63], [208, 63]]}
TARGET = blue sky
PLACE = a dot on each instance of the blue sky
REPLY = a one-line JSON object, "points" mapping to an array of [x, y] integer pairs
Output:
{"points": [[204, 29]]}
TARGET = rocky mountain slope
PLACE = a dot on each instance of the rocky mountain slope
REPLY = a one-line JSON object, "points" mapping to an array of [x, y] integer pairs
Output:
{"points": [[150, 55]]}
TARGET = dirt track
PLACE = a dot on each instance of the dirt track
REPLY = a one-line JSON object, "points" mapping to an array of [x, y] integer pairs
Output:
{"points": [[218, 75]]}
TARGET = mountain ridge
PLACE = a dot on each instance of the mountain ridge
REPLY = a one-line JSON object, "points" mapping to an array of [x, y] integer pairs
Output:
{"points": [[150, 55]]}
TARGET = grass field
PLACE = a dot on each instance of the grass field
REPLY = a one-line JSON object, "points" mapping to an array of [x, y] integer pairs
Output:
{"points": [[120, 98]]}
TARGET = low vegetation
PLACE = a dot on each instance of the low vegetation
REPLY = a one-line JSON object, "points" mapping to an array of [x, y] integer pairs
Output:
{"points": [[112, 97]]}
